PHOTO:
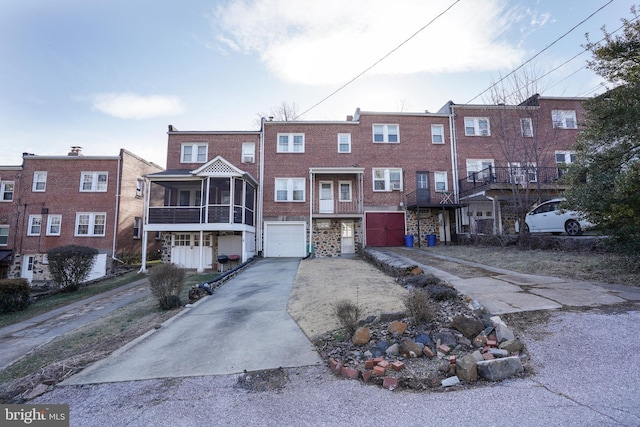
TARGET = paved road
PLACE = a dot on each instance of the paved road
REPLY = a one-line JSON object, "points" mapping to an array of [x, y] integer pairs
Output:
{"points": [[19, 339]]}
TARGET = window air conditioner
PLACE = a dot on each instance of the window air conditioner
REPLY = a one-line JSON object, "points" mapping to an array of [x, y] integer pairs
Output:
{"points": [[395, 186]]}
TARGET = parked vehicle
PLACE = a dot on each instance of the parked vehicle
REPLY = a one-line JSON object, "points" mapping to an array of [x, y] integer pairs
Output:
{"points": [[548, 217]]}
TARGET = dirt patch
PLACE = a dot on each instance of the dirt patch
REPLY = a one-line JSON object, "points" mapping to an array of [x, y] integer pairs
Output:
{"points": [[322, 282], [457, 269]]}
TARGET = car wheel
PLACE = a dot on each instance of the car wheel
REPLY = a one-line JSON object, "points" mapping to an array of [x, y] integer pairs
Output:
{"points": [[572, 227], [526, 228]]}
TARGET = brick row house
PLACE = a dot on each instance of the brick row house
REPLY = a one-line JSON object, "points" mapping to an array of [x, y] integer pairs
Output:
{"points": [[53, 201], [297, 188]]}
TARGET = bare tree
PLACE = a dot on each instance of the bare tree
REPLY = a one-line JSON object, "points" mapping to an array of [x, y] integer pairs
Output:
{"points": [[283, 112]]}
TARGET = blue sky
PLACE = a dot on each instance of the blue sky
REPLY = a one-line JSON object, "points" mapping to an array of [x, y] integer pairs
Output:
{"points": [[111, 74]]}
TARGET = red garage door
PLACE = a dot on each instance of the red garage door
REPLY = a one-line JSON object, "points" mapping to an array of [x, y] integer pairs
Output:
{"points": [[385, 229]]}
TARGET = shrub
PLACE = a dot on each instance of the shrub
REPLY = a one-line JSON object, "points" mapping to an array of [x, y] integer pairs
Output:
{"points": [[167, 281], [420, 306], [441, 292], [70, 265], [14, 295], [347, 313]]}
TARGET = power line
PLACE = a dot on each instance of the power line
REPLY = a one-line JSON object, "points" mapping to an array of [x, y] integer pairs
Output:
{"points": [[543, 50], [378, 61]]}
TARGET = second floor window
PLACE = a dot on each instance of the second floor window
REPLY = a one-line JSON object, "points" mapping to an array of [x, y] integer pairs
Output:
{"points": [[193, 153], [563, 160], [39, 181], [6, 191], [344, 143], [248, 152], [526, 127], [437, 134], [386, 133], [564, 119], [90, 223], [93, 181], [387, 179], [54, 223], [476, 126], [440, 179], [290, 143], [35, 225], [290, 189], [345, 191]]}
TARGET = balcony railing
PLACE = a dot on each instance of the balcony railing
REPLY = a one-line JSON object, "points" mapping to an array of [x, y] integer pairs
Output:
{"points": [[175, 215], [520, 176], [425, 197], [336, 207]]}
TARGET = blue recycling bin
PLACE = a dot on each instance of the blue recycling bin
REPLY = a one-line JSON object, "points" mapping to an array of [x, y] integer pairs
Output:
{"points": [[408, 240], [431, 240]]}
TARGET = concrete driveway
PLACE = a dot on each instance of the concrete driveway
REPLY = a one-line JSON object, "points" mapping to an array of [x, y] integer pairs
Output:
{"points": [[244, 325]]}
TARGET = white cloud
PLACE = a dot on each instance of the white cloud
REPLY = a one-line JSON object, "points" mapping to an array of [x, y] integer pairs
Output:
{"points": [[133, 106], [329, 42]]}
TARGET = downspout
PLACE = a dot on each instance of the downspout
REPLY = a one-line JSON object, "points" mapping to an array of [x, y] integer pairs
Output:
{"points": [[116, 216], [454, 164], [145, 216], [260, 200], [309, 250]]}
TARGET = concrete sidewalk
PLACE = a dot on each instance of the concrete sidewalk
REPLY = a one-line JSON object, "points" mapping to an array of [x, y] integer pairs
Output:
{"points": [[243, 326], [19, 339], [503, 291]]}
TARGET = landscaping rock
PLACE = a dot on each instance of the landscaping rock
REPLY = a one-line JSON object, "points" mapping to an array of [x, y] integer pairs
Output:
{"points": [[480, 340], [498, 352], [393, 350], [512, 346], [411, 348], [451, 381], [499, 369], [389, 317], [423, 338], [361, 336], [468, 327], [467, 369], [504, 333], [446, 338], [397, 327]]}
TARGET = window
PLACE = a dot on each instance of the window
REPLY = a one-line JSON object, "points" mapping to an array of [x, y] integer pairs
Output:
{"points": [[387, 179], [526, 126], [4, 235], [248, 152], [193, 153], [476, 126], [437, 134], [479, 170], [290, 143], [90, 224], [345, 191], [564, 119], [563, 160], [344, 143], [6, 191], [53, 225], [290, 189], [521, 174], [35, 225], [386, 133], [440, 179], [137, 227], [93, 181], [39, 181]]}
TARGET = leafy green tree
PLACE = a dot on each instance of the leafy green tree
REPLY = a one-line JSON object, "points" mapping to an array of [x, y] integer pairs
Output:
{"points": [[606, 176], [70, 265]]}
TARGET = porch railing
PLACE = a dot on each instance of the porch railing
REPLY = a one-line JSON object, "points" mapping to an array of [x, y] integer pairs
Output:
{"points": [[425, 197], [516, 175], [331, 207]]}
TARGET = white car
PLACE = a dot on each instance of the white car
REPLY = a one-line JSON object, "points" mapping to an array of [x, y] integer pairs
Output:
{"points": [[549, 218]]}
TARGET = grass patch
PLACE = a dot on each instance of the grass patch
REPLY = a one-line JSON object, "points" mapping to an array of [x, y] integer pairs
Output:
{"points": [[64, 298], [587, 266]]}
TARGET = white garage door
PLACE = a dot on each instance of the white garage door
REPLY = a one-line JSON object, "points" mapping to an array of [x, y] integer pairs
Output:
{"points": [[285, 239]]}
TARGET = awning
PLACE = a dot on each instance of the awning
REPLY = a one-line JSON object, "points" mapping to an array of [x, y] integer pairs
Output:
{"points": [[6, 256]]}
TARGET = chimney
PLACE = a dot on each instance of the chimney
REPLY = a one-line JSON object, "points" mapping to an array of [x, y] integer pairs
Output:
{"points": [[75, 151]]}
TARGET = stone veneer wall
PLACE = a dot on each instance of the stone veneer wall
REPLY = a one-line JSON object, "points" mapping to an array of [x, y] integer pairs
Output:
{"points": [[428, 224], [328, 242]]}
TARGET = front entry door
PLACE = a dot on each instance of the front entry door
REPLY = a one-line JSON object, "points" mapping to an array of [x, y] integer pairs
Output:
{"points": [[326, 197], [348, 242], [27, 267]]}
